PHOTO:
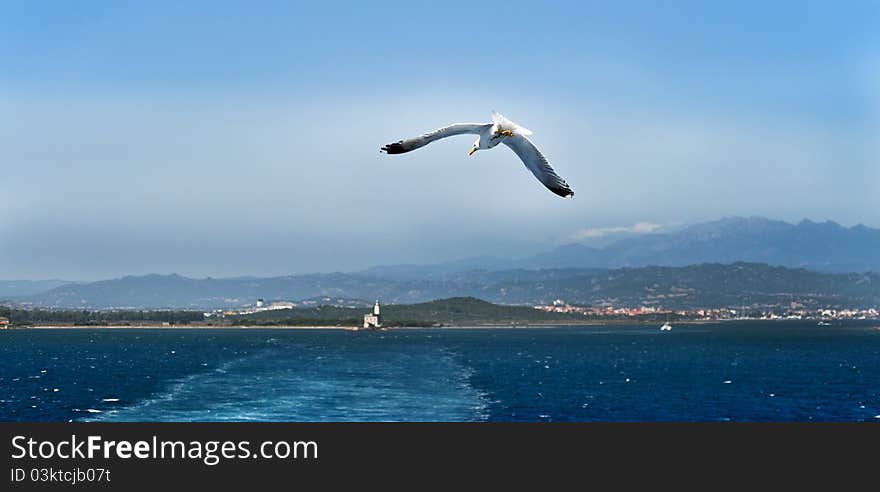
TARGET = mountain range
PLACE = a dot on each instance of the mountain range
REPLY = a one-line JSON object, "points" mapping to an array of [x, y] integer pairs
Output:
{"points": [[820, 246], [694, 286], [733, 261]]}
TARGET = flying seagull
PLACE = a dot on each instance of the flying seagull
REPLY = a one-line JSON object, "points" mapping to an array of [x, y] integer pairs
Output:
{"points": [[501, 130]]}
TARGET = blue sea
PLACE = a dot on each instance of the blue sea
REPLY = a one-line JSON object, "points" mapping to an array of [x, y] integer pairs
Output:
{"points": [[735, 371]]}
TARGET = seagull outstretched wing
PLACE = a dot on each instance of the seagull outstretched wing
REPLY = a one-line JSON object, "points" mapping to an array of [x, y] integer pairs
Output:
{"points": [[538, 165], [422, 140]]}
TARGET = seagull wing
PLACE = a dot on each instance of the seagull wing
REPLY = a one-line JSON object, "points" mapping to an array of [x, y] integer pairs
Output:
{"points": [[422, 140], [538, 165]]}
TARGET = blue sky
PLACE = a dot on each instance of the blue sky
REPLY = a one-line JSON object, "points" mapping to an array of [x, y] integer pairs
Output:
{"points": [[241, 138]]}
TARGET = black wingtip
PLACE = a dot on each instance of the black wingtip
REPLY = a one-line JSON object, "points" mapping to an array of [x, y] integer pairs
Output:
{"points": [[393, 148], [563, 192]]}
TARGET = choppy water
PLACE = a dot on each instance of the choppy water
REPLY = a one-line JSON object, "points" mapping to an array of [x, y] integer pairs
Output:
{"points": [[729, 371]]}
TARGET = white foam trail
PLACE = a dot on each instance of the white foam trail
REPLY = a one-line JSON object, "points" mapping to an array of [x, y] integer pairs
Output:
{"points": [[276, 385]]}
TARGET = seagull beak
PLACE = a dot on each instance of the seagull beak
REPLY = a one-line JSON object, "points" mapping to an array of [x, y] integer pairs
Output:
{"points": [[472, 151]]}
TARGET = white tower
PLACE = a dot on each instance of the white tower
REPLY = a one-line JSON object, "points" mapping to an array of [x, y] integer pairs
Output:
{"points": [[373, 320]]}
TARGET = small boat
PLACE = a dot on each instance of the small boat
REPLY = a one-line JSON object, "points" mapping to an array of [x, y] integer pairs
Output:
{"points": [[666, 327], [823, 323]]}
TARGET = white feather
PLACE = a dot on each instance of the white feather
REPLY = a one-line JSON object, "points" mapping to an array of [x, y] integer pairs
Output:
{"points": [[504, 123]]}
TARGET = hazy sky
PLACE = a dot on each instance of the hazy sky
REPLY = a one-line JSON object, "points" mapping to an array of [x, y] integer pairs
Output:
{"points": [[241, 138]]}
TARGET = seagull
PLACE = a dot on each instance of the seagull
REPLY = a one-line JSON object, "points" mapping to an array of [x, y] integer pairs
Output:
{"points": [[501, 130]]}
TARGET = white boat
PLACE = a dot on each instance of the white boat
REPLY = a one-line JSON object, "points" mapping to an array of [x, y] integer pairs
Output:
{"points": [[666, 327], [823, 323]]}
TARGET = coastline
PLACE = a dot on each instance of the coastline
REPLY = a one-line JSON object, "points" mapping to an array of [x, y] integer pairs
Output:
{"points": [[181, 327], [592, 323]]}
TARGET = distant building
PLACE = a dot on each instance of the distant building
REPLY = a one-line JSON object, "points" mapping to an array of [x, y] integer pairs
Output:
{"points": [[374, 319], [260, 303], [280, 305]]}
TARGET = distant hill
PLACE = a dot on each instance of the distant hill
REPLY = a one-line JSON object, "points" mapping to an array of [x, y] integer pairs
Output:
{"points": [[705, 285]]}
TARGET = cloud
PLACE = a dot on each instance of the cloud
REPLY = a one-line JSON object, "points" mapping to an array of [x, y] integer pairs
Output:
{"points": [[597, 232]]}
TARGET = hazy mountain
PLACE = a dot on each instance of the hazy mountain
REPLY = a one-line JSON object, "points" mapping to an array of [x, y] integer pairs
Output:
{"points": [[707, 285], [825, 246], [175, 291], [17, 288], [822, 246]]}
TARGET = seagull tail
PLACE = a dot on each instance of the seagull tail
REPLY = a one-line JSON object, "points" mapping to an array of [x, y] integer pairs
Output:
{"points": [[506, 124]]}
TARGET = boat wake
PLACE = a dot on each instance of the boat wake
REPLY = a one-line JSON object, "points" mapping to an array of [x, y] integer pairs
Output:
{"points": [[274, 385]]}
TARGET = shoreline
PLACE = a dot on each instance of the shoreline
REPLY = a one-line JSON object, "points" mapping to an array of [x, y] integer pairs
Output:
{"points": [[181, 327], [609, 323], [350, 328]]}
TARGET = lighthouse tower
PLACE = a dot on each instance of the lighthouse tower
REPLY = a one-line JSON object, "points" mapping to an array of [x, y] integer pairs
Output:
{"points": [[374, 319]]}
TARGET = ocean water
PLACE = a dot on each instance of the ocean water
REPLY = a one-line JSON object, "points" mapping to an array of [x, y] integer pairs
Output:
{"points": [[751, 371]]}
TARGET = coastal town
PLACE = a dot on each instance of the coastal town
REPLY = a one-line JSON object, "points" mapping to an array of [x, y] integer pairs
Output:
{"points": [[794, 311]]}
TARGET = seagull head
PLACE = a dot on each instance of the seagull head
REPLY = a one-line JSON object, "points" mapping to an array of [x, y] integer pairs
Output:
{"points": [[488, 138], [477, 145]]}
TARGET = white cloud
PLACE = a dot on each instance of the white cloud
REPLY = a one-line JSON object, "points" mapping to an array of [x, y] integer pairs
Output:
{"points": [[597, 232]]}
